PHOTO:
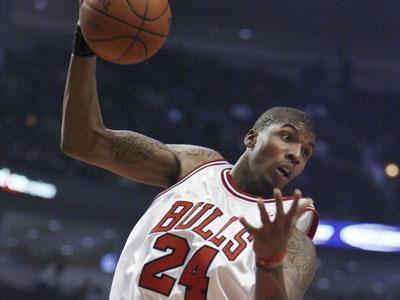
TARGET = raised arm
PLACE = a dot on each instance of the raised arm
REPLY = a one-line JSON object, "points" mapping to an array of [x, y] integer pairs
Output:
{"points": [[126, 153]]}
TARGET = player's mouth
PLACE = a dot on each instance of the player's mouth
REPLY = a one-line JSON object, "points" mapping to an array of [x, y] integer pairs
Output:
{"points": [[285, 171]]}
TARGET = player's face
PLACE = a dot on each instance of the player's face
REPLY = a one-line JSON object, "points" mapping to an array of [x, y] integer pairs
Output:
{"points": [[279, 152]]}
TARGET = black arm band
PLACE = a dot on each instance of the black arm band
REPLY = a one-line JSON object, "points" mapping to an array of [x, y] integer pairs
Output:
{"points": [[79, 46]]}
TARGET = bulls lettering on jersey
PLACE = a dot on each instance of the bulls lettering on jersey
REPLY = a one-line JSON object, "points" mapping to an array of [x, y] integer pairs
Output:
{"points": [[190, 244]]}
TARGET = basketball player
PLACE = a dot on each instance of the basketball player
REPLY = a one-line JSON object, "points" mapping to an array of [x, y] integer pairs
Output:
{"points": [[211, 234]]}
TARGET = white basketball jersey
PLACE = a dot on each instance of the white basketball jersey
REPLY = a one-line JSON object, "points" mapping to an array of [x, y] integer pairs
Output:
{"points": [[190, 244]]}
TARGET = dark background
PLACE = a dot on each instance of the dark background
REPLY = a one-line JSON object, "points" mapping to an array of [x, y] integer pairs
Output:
{"points": [[338, 61]]}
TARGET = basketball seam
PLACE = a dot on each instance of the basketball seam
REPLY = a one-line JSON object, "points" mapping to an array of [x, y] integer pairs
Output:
{"points": [[126, 51], [123, 22], [132, 9], [144, 46], [144, 17], [132, 45]]}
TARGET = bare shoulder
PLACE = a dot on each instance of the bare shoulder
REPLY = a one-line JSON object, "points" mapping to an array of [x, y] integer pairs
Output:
{"points": [[191, 156], [299, 264]]}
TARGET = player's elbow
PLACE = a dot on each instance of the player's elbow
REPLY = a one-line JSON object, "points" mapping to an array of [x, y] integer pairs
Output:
{"points": [[82, 146], [76, 146], [66, 147], [70, 149]]}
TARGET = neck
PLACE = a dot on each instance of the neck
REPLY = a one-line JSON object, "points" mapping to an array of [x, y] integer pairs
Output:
{"points": [[246, 181]]}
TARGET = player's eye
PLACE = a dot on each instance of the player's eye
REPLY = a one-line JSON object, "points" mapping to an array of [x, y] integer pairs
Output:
{"points": [[306, 153], [286, 136]]}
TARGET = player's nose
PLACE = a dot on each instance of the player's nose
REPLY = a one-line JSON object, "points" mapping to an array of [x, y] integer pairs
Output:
{"points": [[294, 153]]}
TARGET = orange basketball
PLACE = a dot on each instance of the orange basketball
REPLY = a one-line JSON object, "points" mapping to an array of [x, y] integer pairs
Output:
{"points": [[125, 31]]}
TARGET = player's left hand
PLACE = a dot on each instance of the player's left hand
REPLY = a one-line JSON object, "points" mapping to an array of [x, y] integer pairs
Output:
{"points": [[272, 237]]}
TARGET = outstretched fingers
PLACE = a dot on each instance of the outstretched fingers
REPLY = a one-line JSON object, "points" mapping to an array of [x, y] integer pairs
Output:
{"points": [[250, 229], [293, 210], [303, 208], [264, 219], [278, 202], [288, 219], [263, 212]]}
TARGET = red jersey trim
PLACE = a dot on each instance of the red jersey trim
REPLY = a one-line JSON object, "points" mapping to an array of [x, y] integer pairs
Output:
{"points": [[314, 223], [234, 190], [194, 171]]}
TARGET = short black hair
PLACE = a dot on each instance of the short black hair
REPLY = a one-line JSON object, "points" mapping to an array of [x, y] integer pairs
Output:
{"points": [[283, 114]]}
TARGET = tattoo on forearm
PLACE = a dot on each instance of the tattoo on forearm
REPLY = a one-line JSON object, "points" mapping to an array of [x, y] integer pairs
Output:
{"points": [[301, 257], [134, 150]]}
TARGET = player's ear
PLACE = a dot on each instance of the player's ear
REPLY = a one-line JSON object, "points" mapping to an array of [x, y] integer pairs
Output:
{"points": [[251, 138]]}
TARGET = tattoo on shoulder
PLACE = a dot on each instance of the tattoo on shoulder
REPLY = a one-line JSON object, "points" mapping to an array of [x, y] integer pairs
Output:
{"points": [[134, 150], [301, 257], [196, 151]]}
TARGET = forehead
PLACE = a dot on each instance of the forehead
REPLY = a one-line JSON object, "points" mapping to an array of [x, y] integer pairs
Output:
{"points": [[299, 127]]}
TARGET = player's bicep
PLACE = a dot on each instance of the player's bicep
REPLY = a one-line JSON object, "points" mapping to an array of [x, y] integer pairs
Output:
{"points": [[134, 156], [141, 158], [299, 265]]}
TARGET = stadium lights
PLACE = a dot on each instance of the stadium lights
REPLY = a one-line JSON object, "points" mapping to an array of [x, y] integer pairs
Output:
{"points": [[373, 237], [392, 170], [323, 234], [19, 183], [108, 262], [360, 236]]}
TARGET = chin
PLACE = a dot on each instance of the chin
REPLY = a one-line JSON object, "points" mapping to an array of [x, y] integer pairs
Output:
{"points": [[281, 185], [270, 184]]}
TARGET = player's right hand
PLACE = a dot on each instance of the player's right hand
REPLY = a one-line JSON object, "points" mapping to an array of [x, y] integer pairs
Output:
{"points": [[272, 237]]}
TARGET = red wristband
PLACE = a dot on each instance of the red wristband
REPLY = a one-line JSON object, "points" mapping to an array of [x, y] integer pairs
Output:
{"points": [[272, 262]]}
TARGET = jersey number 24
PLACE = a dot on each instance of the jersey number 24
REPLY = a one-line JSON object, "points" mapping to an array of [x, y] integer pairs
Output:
{"points": [[193, 276]]}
